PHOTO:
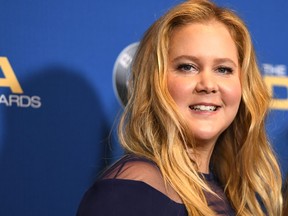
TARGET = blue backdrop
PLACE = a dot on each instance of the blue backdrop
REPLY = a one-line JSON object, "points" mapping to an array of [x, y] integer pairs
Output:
{"points": [[58, 113]]}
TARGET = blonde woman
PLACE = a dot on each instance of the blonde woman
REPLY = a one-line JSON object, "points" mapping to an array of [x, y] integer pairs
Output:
{"points": [[193, 128]]}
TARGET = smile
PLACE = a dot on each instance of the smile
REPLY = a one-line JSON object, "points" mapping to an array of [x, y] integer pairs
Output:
{"points": [[203, 108]]}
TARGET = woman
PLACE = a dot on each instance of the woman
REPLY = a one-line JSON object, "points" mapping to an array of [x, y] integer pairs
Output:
{"points": [[193, 128]]}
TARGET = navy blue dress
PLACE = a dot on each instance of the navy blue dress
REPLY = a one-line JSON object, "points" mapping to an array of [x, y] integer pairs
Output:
{"points": [[124, 197]]}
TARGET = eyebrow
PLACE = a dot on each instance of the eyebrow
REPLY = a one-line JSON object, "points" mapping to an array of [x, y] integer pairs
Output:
{"points": [[197, 60]]}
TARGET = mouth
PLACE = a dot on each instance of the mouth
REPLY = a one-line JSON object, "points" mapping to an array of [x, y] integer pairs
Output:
{"points": [[206, 108]]}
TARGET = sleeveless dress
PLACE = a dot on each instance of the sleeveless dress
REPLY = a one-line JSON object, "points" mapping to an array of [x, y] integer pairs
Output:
{"points": [[116, 195]]}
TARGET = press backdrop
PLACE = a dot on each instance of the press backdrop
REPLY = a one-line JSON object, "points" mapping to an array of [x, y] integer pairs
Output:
{"points": [[57, 104]]}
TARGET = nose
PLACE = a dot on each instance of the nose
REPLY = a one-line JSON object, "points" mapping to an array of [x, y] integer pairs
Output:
{"points": [[206, 83]]}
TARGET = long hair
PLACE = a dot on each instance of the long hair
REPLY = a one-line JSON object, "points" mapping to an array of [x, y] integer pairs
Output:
{"points": [[285, 197], [151, 125]]}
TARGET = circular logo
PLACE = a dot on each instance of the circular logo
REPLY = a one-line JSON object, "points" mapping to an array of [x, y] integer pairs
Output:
{"points": [[121, 72]]}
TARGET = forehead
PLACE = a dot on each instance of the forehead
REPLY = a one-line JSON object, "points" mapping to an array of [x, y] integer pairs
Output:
{"points": [[208, 38]]}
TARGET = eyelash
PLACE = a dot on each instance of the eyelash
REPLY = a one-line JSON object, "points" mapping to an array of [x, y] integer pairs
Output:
{"points": [[220, 69], [228, 70], [183, 67]]}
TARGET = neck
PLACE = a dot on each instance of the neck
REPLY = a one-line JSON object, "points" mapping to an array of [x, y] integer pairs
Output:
{"points": [[202, 156]]}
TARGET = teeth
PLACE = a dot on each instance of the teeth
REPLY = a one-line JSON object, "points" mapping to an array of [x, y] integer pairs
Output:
{"points": [[204, 108]]}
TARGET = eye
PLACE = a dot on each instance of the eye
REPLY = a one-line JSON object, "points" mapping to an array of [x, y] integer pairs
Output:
{"points": [[187, 67], [225, 70]]}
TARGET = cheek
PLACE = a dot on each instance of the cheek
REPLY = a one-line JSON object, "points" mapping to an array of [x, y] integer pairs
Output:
{"points": [[233, 93], [178, 89], [174, 90]]}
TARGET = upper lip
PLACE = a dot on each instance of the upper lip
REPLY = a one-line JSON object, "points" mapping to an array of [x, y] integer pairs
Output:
{"points": [[204, 104]]}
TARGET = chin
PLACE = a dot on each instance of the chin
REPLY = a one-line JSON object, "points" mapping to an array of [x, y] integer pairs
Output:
{"points": [[207, 138]]}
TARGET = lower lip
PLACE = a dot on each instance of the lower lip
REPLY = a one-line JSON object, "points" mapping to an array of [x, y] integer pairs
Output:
{"points": [[204, 112]]}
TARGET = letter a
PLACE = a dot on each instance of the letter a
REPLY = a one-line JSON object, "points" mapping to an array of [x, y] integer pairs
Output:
{"points": [[10, 79]]}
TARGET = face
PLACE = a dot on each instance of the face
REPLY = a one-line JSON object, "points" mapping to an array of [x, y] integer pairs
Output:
{"points": [[204, 78]]}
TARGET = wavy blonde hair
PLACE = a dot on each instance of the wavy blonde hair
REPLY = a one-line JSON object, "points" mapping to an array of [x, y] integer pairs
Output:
{"points": [[285, 197], [151, 125]]}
